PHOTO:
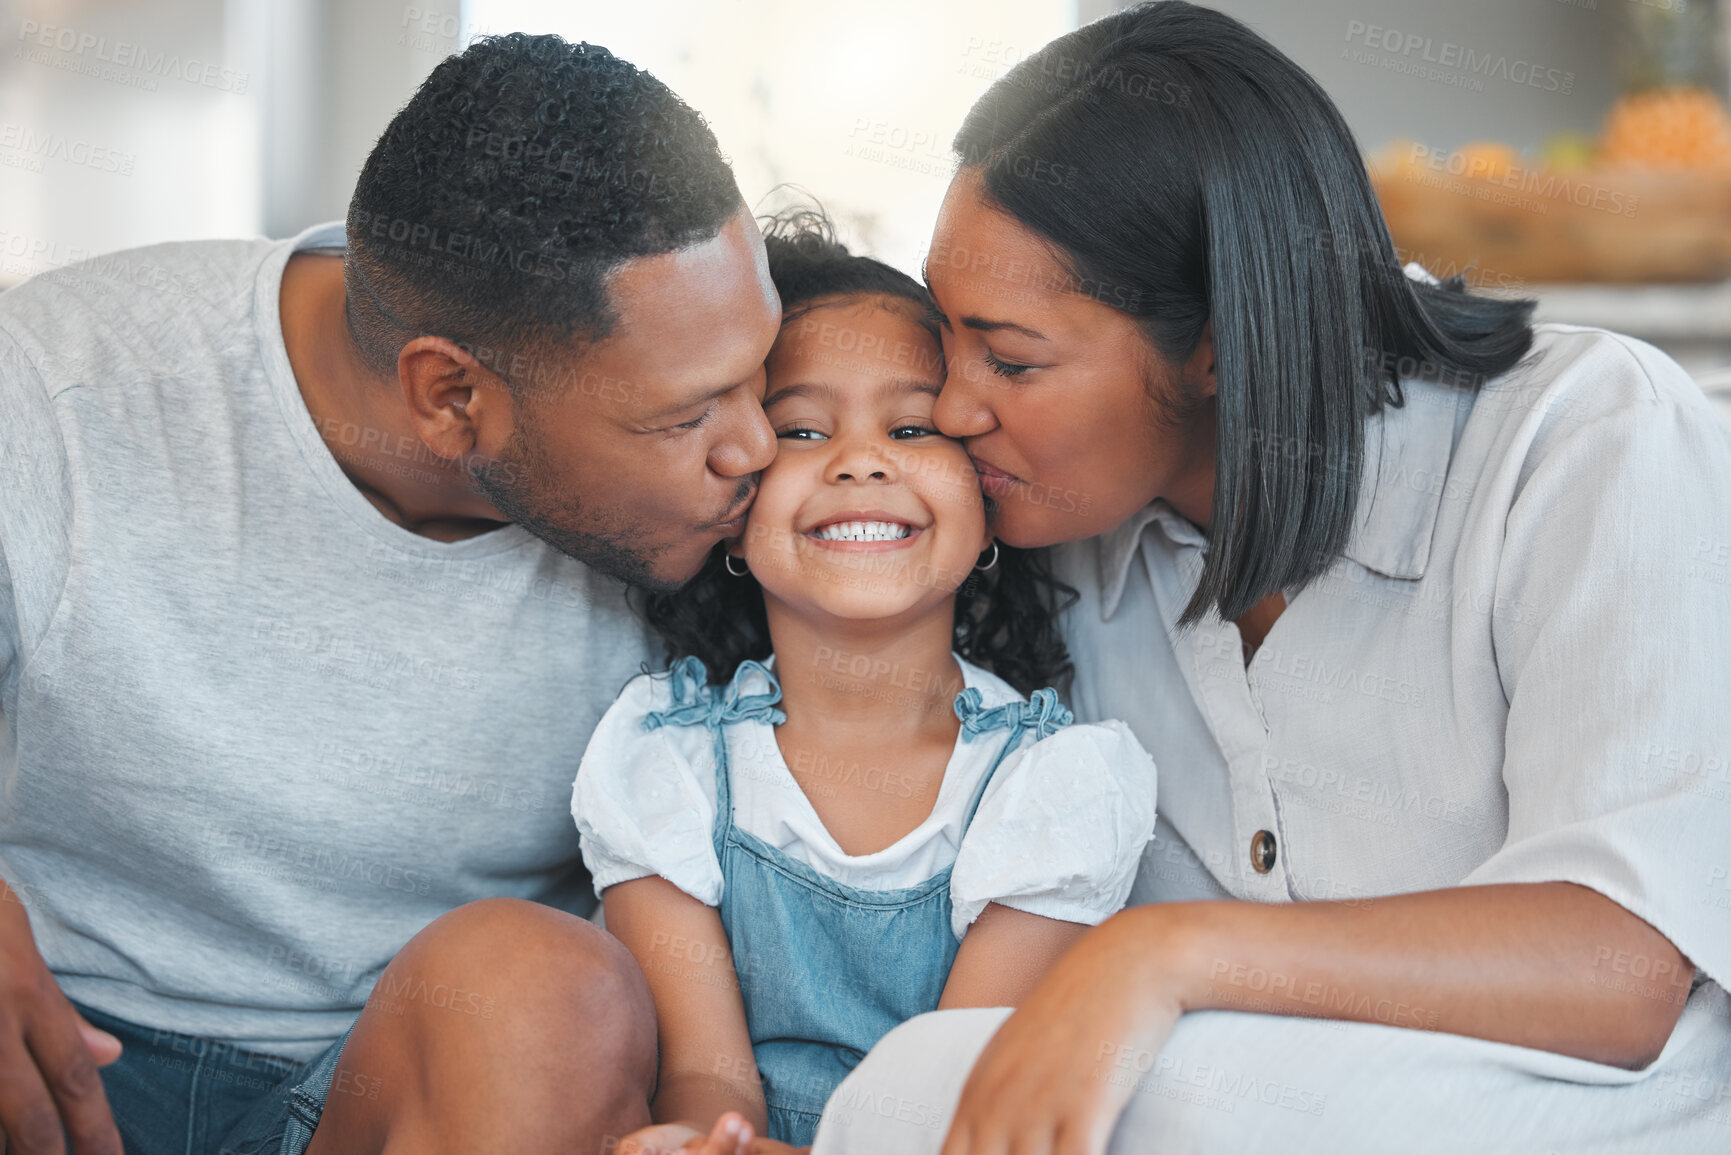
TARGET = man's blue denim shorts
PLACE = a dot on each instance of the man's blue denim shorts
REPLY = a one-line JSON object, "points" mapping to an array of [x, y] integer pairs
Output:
{"points": [[178, 1094]]}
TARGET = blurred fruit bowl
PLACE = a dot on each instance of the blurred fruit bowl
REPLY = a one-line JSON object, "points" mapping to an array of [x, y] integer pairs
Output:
{"points": [[1518, 224], [1648, 200]]}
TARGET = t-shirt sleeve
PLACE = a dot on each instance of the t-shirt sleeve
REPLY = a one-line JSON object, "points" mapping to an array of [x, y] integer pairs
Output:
{"points": [[1061, 829], [9, 646], [644, 800], [35, 508], [1617, 671]]}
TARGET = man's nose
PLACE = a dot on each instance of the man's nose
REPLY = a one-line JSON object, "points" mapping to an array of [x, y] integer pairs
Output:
{"points": [[750, 447]]}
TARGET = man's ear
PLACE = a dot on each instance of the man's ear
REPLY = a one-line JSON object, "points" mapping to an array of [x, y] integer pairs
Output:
{"points": [[459, 407]]}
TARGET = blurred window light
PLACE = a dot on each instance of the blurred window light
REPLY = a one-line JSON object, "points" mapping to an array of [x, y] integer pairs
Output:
{"points": [[855, 103]]}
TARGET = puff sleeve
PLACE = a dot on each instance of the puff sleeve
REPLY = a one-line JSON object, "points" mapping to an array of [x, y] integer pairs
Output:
{"points": [[1061, 829], [644, 799]]}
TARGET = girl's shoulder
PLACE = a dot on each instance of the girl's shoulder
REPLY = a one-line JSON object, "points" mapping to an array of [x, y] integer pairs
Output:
{"points": [[1061, 826], [1049, 734], [682, 695]]}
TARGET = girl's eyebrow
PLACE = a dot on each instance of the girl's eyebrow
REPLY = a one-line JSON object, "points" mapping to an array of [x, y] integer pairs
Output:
{"points": [[802, 389], [825, 392]]}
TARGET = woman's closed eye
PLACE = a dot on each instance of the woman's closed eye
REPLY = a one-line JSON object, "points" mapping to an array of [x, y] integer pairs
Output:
{"points": [[1005, 368]]}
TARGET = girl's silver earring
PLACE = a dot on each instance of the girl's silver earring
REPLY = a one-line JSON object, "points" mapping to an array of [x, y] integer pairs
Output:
{"points": [[990, 564], [727, 560]]}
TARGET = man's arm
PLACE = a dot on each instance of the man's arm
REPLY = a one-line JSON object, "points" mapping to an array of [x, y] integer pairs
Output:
{"points": [[706, 1058], [48, 1054]]}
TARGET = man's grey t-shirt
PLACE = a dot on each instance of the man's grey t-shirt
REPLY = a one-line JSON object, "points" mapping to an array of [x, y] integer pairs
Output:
{"points": [[256, 735]]}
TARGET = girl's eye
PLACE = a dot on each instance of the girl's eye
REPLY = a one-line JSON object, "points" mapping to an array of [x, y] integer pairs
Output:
{"points": [[800, 433], [903, 432], [1005, 368]]}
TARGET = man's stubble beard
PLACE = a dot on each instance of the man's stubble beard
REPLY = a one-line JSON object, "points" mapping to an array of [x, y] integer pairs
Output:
{"points": [[519, 486]]}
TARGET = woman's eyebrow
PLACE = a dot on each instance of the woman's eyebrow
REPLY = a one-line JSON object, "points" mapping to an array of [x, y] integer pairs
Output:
{"points": [[983, 325], [978, 324]]}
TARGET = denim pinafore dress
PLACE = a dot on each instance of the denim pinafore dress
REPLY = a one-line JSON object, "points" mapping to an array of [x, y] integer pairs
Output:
{"points": [[826, 969]]}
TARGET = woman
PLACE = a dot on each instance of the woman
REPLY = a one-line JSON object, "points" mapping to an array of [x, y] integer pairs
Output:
{"points": [[1414, 605]]}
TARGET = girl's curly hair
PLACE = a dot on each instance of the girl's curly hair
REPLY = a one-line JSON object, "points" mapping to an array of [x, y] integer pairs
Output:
{"points": [[1005, 615]]}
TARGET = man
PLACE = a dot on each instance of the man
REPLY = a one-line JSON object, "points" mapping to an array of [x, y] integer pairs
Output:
{"points": [[308, 607]]}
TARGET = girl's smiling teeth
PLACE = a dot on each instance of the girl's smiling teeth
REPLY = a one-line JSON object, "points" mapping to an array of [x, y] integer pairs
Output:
{"points": [[862, 531]]}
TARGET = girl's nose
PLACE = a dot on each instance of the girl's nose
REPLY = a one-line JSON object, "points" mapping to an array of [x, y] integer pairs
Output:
{"points": [[862, 460]]}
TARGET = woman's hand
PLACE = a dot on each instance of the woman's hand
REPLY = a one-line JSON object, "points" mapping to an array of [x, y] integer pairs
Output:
{"points": [[1058, 1073]]}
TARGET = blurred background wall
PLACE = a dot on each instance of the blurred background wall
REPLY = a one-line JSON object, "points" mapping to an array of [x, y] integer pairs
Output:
{"points": [[855, 101], [127, 122]]}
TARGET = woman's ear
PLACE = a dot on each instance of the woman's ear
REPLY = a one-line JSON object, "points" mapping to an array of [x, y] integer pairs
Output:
{"points": [[1199, 369]]}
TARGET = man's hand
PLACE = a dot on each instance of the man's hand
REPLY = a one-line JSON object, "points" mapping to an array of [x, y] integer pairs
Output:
{"points": [[48, 1054]]}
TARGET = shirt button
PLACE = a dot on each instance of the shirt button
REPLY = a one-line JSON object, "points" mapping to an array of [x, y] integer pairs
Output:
{"points": [[1262, 851]]}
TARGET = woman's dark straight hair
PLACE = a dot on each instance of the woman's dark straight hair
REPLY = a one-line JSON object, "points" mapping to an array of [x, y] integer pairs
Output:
{"points": [[1189, 173]]}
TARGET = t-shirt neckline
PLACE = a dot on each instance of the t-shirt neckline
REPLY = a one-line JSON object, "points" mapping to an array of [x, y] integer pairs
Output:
{"points": [[273, 352]]}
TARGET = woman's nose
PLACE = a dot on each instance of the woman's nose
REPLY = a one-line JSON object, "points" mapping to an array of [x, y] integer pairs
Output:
{"points": [[962, 409]]}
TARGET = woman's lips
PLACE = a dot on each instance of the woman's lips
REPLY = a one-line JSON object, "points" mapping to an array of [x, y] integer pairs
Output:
{"points": [[996, 483]]}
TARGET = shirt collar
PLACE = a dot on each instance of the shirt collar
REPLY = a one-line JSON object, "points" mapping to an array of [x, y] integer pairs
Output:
{"points": [[1405, 474]]}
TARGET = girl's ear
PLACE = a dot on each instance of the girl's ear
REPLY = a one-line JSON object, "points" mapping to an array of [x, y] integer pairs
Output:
{"points": [[733, 550]]}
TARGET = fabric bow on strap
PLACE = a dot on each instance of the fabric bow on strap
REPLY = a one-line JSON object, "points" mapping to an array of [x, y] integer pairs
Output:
{"points": [[697, 703], [1042, 714]]}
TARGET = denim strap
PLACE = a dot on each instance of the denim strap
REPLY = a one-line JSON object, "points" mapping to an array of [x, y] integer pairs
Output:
{"points": [[697, 703], [1042, 715]]}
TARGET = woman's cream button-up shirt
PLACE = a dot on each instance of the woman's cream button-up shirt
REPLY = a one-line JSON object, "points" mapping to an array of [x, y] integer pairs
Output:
{"points": [[1519, 671]]}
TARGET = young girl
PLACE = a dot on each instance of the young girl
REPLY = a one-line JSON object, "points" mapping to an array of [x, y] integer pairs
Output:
{"points": [[836, 811]]}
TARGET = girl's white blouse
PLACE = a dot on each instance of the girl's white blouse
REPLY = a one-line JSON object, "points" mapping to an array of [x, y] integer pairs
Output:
{"points": [[1059, 832]]}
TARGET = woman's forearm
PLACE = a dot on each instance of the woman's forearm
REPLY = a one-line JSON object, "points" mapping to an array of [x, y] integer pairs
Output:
{"points": [[1553, 966]]}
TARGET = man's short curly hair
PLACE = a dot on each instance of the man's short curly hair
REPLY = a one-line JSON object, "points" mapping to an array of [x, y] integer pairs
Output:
{"points": [[522, 173]]}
